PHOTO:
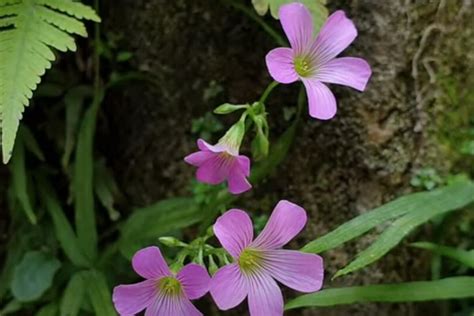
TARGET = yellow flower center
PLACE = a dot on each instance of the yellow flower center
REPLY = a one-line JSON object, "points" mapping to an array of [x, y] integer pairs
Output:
{"points": [[250, 260], [302, 66], [169, 286]]}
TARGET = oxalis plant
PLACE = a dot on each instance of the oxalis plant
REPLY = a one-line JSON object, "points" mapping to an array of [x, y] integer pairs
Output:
{"points": [[230, 257], [248, 268]]}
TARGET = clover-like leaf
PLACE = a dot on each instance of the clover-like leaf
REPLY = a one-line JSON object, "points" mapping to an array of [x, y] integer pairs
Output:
{"points": [[33, 276], [316, 7]]}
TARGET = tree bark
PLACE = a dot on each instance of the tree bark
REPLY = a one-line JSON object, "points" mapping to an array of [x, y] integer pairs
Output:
{"points": [[337, 169]]}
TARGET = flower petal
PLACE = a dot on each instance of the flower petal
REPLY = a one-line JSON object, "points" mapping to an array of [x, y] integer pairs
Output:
{"points": [[336, 35], [198, 158], [228, 287], [194, 280], [131, 299], [238, 183], [187, 308], [280, 64], [215, 170], [234, 230], [300, 271], [172, 306], [348, 71], [150, 264], [244, 163], [286, 221], [205, 146], [265, 296], [321, 101], [297, 23]]}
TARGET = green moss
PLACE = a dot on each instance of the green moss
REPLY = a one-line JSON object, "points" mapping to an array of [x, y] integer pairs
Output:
{"points": [[456, 125]]}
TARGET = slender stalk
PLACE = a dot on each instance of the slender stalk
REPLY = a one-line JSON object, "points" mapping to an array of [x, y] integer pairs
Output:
{"points": [[252, 15], [96, 51], [300, 103], [267, 92]]}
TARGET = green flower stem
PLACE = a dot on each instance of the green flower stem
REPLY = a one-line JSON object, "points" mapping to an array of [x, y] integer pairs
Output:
{"points": [[259, 107], [267, 92], [254, 16]]}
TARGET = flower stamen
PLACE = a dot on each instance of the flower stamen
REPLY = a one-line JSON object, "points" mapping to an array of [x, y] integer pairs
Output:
{"points": [[250, 260], [169, 286], [303, 66]]}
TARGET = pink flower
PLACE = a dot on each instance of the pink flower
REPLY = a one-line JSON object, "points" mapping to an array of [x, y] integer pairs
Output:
{"points": [[220, 163], [313, 60], [162, 293], [259, 262]]}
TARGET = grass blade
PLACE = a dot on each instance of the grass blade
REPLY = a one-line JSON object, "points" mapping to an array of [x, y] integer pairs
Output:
{"points": [[451, 197], [20, 179], [63, 230], [73, 101], [466, 257], [156, 220], [73, 295], [449, 288], [98, 293], [400, 228], [84, 181]]}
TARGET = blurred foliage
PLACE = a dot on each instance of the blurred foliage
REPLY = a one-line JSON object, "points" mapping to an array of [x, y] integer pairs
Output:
{"points": [[206, 126], [316, 7], [426, 179]]}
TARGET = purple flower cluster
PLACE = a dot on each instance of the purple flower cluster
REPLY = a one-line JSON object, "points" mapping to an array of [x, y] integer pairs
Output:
{"points": [[257, 265], [311, 60]]}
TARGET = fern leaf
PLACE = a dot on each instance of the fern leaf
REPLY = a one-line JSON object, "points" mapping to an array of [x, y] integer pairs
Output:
{"points": [[31, 29], [5, 2], [64, 22], [76, 9]]}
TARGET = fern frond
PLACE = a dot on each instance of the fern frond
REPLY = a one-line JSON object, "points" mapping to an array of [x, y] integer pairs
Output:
{"points": [[75, 9], [30, 29]]}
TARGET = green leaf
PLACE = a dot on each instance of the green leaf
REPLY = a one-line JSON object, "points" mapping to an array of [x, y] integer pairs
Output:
{"points": [[227, 108], [83, 182], [260, 145], [99, 294], [449, 288], [124, 56], [20, 181], [48, 310], [401, 227], [30, 143], [466, 257], [33, 276], [317, 8], [49, 90], [156, 220], [76, 9], [30, 31], [278, 153], [450, 197], [11, 307], [73, 295], [62, 228], [22, 237], [106, 189], [74, 100]]}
